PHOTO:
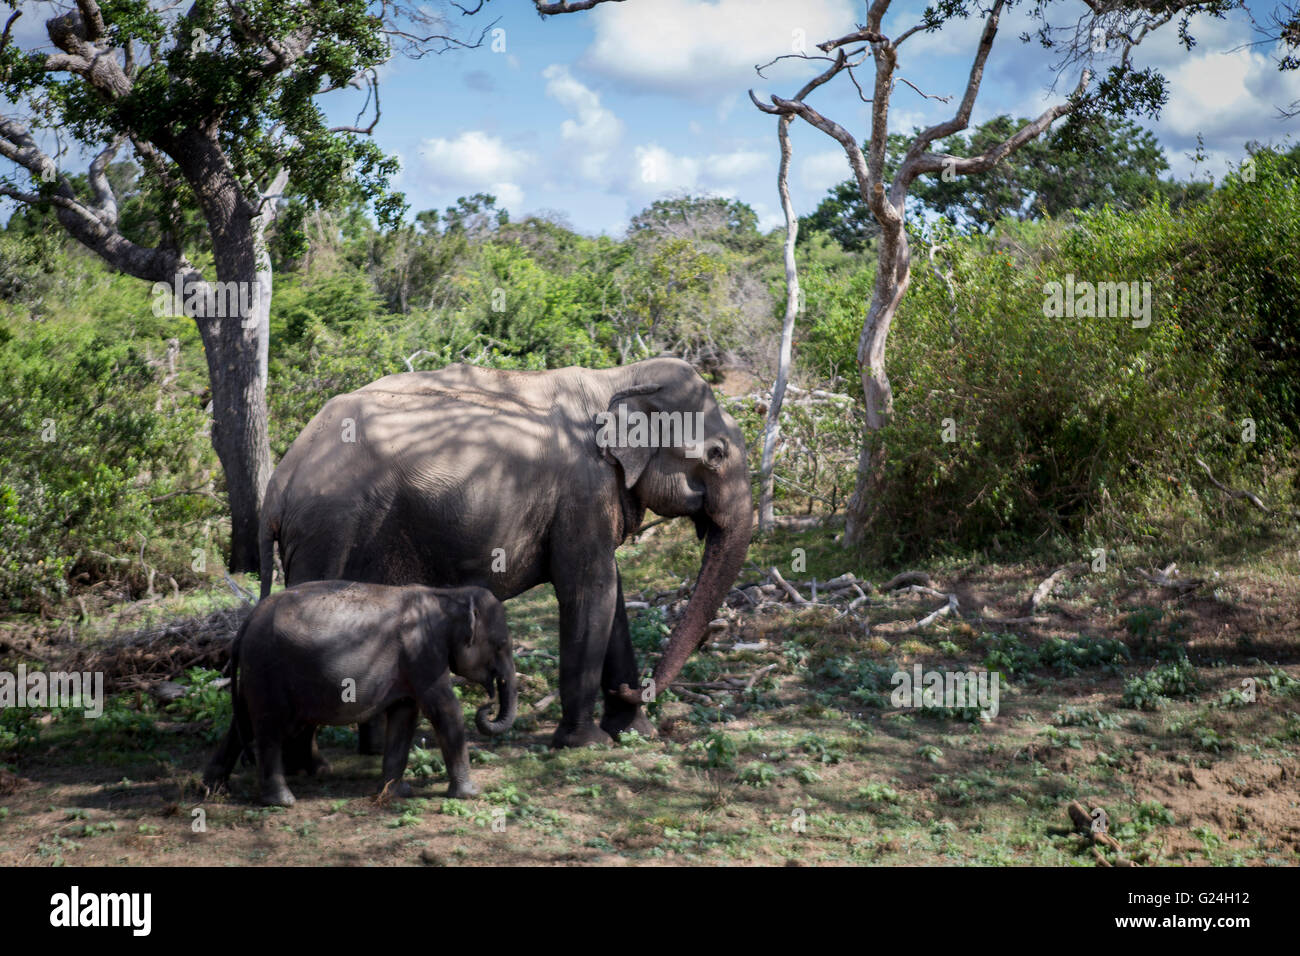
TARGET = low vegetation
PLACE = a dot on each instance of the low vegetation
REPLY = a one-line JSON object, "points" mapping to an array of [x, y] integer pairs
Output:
{"points": [[1024, 442]]}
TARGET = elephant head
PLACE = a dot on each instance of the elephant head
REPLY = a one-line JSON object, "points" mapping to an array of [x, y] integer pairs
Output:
{"points": [[484, 656], [686, 459]]}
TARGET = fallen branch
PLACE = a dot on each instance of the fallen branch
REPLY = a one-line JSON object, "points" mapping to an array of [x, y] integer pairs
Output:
{"points": [[1044, 590], [922, 589], [1095, 829], [247, 596], [1165, 578], [907, 577], [1250, 496], [949, 608], [692, 696], [785, 585], [798, 522], [1030, 619], [901, 627], [415, 355]]}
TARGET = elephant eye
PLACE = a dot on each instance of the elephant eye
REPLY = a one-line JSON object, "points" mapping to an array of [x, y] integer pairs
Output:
{"points": [[717, 454]]}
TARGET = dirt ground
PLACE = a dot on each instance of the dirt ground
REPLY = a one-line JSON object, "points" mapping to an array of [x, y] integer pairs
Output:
{"points": [[812, 763]]}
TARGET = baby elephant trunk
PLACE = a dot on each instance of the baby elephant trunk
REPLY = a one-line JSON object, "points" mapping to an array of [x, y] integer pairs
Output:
{"points": [[507, 705]]}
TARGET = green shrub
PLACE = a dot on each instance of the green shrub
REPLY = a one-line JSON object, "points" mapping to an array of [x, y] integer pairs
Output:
{"points": [[1160, 684], [1084, 426], [95, 446]]}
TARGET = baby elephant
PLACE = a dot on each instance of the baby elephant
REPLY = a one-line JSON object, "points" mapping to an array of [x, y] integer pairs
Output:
{"points": [[337, 652]]}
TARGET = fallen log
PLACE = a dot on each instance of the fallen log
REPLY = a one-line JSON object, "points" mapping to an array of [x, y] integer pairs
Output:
{"points": [[785, 585], [906, 577]]}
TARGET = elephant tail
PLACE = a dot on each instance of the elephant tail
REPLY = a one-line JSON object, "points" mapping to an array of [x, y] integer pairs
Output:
{"points": [[268, 532], [240, 722]]}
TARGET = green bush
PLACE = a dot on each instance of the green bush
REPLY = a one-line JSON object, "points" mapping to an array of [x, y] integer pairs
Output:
{"points": [[93, 447], [1084, 426], [1160, 684]]}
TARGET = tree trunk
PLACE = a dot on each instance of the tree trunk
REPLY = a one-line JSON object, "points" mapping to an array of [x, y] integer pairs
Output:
{"points": [[239, 430], [236, 345], [893, 274], [772, 431]]}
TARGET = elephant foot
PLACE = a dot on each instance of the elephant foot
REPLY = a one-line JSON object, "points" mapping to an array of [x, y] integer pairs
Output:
{"points": [[462, 790], [215, 780], [620, 722], [398, 789], [278, 797], [586, 734]]}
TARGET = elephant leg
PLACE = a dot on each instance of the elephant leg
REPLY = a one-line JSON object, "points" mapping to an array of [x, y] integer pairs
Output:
{"points": [[440, 705], [371, 735], [398, 734], [586, 597], [223, 761], [302, 755], [620, 670], [270, 765]]}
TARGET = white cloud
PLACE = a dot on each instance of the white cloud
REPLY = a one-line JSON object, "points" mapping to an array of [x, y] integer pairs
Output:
{"points": [[708, 48], [596, 131], [957, 37], [473, 158], [1227, 95], [508, 195], [726, 167], [821, 171], [656, 171], [768, 218], [596, 126]]}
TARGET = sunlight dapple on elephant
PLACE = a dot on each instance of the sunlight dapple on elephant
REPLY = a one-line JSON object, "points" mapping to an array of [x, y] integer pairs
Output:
{"points": [[508, 479]]}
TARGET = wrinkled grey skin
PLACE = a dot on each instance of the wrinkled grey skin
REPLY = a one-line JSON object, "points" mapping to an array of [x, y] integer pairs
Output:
{"points": [[495, 478], [338, 652]]}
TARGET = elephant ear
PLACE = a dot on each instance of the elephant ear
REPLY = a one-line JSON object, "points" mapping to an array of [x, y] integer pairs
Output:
{"points": [[632, 459]]}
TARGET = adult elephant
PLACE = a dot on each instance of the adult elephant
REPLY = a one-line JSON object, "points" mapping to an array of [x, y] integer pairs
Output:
{"points": [[507, 479]]}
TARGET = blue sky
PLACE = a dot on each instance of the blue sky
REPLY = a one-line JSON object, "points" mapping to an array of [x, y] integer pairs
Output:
{"points": [[596, 114]]}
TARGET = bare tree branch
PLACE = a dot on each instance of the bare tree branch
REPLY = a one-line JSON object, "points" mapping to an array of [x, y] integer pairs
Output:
{"points": [[9, 25], [928, 96], [94, 227], [858, 36], [567, 6], [772, 431], [105, 201], [961, 118], [372, 85], [916, 165]]}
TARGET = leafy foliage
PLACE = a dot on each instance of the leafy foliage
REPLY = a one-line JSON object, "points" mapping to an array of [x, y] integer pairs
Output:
{"points": [[1093, 423]]}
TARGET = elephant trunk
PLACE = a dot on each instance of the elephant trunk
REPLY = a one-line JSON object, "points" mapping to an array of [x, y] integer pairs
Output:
{"points": [[507, 706], [724, 552]]}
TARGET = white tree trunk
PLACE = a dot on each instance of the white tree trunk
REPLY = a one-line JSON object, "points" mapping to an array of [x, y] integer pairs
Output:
{"points": [[772, 430]]}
